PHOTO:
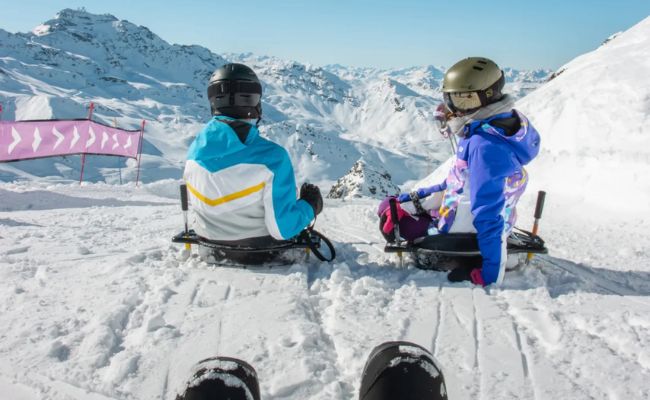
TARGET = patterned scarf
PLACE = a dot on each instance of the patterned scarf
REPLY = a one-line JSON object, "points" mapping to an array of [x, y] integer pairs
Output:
{"points": [[456, 124]]}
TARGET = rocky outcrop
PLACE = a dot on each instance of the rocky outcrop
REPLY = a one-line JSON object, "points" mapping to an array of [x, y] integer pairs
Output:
{"points": [[363, 180]]}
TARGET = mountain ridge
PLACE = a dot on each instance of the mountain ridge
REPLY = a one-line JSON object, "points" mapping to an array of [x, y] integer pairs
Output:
{"points": [[327, 117]]}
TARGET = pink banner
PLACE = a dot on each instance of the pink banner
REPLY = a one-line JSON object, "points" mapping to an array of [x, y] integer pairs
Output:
{"points": [[20, 140]]}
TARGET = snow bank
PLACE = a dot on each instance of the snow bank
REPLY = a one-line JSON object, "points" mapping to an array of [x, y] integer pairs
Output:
{"points": [[594, 119]]}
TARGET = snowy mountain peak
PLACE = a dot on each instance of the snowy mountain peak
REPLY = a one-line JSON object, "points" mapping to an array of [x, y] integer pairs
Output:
{"points": [[117, 48], [364, 180], [69, 17], [85, 26], [78, 23]]}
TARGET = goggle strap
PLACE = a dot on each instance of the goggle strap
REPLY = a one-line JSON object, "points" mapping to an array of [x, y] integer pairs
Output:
{"points": [[222, 88]]}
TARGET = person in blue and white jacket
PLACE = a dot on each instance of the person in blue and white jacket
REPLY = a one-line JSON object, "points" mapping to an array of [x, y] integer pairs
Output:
{"points": [[487, 176], [241, 186]]}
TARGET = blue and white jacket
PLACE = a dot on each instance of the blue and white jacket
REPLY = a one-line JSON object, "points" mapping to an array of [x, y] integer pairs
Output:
{"points": [[242, 185]]}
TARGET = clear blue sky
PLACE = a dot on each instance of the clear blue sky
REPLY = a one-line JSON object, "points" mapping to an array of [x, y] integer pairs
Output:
{"points": [[377, 33]]}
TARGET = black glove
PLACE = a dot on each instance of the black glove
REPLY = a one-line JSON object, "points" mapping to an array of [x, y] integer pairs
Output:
{"points": [[311, 194]]}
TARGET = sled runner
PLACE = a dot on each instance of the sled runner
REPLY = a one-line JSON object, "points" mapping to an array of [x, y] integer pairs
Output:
{"points": [[451, 250], [257, 250]]}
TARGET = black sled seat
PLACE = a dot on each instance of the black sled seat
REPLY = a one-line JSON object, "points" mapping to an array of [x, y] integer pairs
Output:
{"points": [[259, 251], [449, 251], [452, 250], [466, 244], [255, 251]]}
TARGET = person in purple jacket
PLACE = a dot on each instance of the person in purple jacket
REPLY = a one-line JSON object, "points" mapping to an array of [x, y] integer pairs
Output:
{"points": [[487, 175]]}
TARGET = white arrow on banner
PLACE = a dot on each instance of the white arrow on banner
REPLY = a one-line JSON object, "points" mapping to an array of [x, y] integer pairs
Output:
{"points": [[37, 140], [104, 139], [115, 142], [59, 137], [91, 141], [17, 138], [75, 137], [128, 142]]}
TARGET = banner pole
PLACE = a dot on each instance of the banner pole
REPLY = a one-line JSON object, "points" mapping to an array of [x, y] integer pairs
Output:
{"points": [[83, 163], [137, 177], [83, 156], [119, 168], [91, 108]]}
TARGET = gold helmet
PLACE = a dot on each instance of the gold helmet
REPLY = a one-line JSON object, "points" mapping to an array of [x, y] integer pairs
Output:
{"points": [[472, 83]]}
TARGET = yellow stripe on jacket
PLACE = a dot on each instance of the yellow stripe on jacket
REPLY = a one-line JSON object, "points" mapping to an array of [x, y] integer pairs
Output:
{"points": [[226, 198]]}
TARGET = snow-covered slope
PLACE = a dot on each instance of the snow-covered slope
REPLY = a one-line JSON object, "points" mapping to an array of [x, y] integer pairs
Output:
{"points": [[327, 117], [96, 303], [594, 118], [595, 157]]}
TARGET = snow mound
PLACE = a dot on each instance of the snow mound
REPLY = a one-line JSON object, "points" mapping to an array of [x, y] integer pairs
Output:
{"points": [[593, 118], [363, 180]]}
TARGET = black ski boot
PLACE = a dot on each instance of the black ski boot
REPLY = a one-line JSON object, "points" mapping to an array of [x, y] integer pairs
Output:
{"points": [[402, 370], [462, 273], [222, 378]]}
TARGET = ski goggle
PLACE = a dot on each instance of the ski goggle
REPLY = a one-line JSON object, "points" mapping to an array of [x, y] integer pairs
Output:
{"points": [[235, 93], [463, 101]]}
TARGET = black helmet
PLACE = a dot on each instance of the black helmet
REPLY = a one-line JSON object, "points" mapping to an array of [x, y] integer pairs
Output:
{"points": [[472, 83], [235, 91]]}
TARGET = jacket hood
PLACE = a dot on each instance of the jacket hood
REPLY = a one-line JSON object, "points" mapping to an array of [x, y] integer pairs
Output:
{"points": [[525, 142], [221, 138]]}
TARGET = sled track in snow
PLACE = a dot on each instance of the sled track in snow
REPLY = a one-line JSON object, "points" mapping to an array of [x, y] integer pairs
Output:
{"points": [[436, 334], [524, 354], [588, 276], [317, 315], [535, 359], [477, 343], [524, 359]]}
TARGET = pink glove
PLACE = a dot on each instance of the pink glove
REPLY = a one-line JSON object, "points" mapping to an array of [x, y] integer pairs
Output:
{"points": [[441, 116], [476, 277], [388, 225], [441, 113]]}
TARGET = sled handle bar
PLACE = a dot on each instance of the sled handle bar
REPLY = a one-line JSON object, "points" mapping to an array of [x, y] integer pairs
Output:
{"points": [[311, 232], [184, 197], [393, 218], [539, 207], [184, 208]]}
